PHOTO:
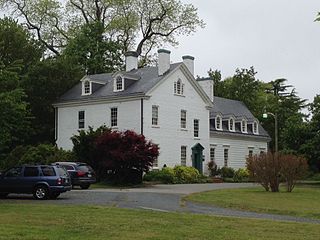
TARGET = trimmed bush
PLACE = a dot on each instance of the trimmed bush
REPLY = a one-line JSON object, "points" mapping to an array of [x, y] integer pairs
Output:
{"points": [[185, 174], [165, 175], [241, 175], [227, 172]]}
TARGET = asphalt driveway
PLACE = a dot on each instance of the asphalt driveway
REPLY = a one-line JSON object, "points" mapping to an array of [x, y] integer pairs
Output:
{"points": [[164, 198]]}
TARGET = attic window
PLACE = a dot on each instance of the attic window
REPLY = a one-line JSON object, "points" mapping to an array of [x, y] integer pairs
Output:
{"points": [[118, 84], [218, 122], [86, 88], [178, 87], [243, 126], [255, 127], [231, 124]]}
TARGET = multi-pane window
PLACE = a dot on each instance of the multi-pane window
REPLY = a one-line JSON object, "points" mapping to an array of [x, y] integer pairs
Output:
{"points": [[81, 119], [183, 120], [255, 127], [114, 117], [155, 115], [183, 155], [86, 87], [196, 127], [178, 87], [244, 126], [218, 123], [225, 157], [212, 153], [155, 163], [250, 154], [231, 124], [119, 83]]}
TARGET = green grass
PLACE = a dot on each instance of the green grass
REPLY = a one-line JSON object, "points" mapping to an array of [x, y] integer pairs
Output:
{"points": [[43, 221], [304, 201]]}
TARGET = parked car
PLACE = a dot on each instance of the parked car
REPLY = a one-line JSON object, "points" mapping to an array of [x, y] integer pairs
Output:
{"points": [[43, 181], [81, 173]]}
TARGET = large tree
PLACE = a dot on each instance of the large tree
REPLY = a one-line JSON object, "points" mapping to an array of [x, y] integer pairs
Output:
{"points": [[137, 24]]}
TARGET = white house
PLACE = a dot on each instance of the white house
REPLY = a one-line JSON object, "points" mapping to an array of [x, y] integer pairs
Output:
{"points": [[170, 107]]}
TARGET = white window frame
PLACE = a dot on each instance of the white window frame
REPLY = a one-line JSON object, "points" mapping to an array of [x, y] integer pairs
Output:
{"points": [[118, 84], [155, 116], [218, 120], [114, 117], [255, 127], [183, 119], [86, 87], [196, 128], [225, 157], [231, 124], [183, 155], [81, 121], [212, 153], [244, 126], [178, 88]]}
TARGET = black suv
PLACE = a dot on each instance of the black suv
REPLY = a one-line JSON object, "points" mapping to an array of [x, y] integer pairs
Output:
{"points": [[81, 173], [43, 181]]}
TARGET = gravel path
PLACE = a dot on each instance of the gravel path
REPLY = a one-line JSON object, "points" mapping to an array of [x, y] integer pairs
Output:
{"points": [[164, 198]]}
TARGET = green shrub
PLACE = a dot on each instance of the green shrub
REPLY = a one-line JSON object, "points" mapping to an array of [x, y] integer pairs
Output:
{"points": [[165, 175], [185, 174], [241, 175], [227, 172]]}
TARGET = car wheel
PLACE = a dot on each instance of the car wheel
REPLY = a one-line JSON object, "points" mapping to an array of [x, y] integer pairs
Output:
{"points": [[54, 195], [85, 185], [40, 192], [3, 195]]}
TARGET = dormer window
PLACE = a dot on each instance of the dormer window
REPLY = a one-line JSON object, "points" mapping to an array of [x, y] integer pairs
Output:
{"points": [[255, 127], [219, 122], [231, 124], [178, 87], [86, 87], [244, 126], [118, 84]]}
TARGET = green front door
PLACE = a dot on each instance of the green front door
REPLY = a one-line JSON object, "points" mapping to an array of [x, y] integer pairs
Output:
{"points": [[197, 152]]}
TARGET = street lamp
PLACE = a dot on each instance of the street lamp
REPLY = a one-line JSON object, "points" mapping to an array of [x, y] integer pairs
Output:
{"points": [[275, 116]]}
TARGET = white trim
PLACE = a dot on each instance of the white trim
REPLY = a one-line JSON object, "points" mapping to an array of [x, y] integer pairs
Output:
{"points": [[220, 122]]}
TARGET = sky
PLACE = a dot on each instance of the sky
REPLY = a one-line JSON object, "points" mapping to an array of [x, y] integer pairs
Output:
{"points": [[278, 37]]}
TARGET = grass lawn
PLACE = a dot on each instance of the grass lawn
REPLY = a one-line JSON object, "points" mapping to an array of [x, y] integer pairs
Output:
{"points": [[43, 221], [304, 201]]}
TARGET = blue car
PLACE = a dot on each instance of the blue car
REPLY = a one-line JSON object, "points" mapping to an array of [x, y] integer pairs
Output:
{"points": [[43, 181]]}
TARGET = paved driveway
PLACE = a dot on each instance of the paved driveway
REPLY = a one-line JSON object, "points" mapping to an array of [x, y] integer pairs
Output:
{"points": [[165, 198]]}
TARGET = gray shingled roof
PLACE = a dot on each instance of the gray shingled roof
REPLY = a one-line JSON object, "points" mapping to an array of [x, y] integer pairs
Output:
{"points": [[148, 78], [227, 108]]}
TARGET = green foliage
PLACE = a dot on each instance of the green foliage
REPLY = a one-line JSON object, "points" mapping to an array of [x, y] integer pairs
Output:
{"points": [[227, 172], [176, 175], [42, 154], [184, 174], [241, 175]]}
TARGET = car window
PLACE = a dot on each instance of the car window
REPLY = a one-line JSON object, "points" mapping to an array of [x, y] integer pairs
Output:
{"points": [[14, 172], [62, 171], [48, 171], [68, 167], [85, 168], [31, 172]]}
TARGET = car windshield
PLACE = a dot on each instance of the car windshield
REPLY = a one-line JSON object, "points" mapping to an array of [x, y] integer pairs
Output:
{"points": [[62, 171]]}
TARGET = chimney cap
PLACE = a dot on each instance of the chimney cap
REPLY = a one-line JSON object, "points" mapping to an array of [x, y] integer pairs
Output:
{"points": [[188, 57], [131, 54], [164, 51]]}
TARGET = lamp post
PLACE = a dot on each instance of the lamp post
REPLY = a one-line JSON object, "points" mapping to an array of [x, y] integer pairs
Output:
{"points": [[275, 116]]}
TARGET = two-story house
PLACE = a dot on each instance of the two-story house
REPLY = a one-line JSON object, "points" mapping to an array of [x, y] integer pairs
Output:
{"points": [[170, 107]]}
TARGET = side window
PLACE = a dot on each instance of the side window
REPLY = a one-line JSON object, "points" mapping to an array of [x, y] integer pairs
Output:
{"points": [[81, 119], [14, 172], [48, 171], [31, 172], [68, 167]]}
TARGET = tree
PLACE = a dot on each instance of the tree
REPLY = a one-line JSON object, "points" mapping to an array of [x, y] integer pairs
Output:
{"points": [[139, 24], [16, 43], [14, 117], [127, 154]]}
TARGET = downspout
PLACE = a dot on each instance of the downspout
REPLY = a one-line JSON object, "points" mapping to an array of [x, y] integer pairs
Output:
{"points": [[141, 116]]}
